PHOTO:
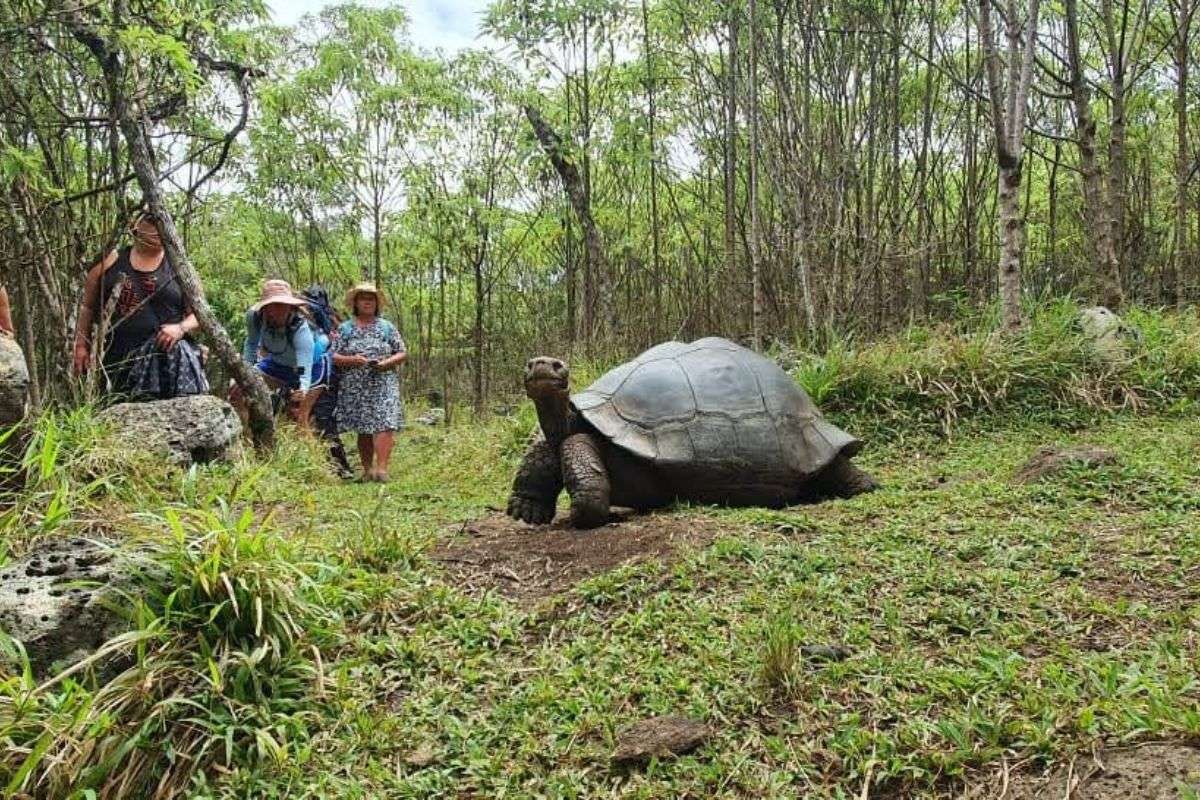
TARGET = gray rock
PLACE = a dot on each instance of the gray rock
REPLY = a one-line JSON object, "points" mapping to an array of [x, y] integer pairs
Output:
{"points": [[14, 382], [1105, 333], [825, 652], [186, 430], [659, 737], [433, 417], [1052, 459], [59, 601]]}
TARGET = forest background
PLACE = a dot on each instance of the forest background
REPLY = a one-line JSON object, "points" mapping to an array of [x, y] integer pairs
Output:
{"points": [[604, 175]]}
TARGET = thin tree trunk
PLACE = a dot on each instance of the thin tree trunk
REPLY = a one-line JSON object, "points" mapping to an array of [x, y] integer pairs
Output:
{"points": [[731, 147], [755, 244], [1009, 108], [657, 276], [1105, 265], [132, 123], [572, 185], [1183, 12]]}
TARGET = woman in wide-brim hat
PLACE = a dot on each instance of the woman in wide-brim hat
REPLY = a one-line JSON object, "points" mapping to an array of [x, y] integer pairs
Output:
{"points": [[368, 351], [282, 345]]}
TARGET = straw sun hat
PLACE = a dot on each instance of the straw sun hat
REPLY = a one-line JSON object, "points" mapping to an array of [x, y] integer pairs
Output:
{"points": [[277, 291], [364, 288]]}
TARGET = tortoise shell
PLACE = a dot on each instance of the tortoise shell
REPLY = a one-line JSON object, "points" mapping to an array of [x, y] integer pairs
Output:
{"points": [[712, 404]]}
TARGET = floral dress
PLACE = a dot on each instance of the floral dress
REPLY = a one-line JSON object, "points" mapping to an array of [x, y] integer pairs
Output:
{"points": [[369, 401]]}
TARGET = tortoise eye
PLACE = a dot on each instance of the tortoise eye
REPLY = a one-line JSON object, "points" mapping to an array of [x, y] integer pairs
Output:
{"points": [[558, 365], [529, 364]]}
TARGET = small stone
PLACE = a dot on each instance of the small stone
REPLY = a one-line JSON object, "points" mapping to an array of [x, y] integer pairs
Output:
{"points": [[659, 737], [422, 757], [825, 652], [432, 418]]}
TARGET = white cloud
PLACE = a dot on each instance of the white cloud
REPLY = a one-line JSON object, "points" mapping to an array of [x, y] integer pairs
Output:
{"points": [[449, 25]]}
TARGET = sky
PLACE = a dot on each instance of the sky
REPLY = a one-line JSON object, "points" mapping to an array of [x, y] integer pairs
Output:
{"points": [[447, 24]]}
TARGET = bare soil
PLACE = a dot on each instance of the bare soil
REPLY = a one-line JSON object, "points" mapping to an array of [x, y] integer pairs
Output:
{"points": [[1154, 771], [1052, 459], [658, 737], [529, 562]]}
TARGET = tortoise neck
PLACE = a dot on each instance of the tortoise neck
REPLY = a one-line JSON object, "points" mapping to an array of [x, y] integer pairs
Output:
{"points": [[555, 416]]}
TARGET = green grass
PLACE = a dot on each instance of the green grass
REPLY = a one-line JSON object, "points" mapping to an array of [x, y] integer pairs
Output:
{"points": [[930, 381], [986, 620]]}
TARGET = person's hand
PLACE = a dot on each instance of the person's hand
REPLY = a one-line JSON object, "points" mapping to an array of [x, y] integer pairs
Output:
{"points": [[358, 361], [169, 335], [380, 366], [81, 358]]}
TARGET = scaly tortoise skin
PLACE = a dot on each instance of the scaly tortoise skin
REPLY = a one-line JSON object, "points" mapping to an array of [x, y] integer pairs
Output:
{"points": [[707, 422]]}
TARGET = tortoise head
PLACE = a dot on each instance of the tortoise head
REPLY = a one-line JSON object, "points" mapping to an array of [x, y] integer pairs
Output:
{"points": [[546, 377]]}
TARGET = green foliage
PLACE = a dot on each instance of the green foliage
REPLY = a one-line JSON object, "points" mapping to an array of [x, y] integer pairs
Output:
{"points": [[292, 636], [228, 621], [69, 465], [932, 380], [782, 664]]}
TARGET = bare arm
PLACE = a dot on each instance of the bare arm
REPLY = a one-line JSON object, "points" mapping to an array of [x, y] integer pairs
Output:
{"points": [[343, 360], [87, 312], [399, 352], [170, 334], [393, 360], [6, 323]]}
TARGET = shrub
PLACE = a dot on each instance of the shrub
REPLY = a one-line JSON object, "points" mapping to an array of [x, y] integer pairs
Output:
{"points": [[930, 380], [223, 662]]}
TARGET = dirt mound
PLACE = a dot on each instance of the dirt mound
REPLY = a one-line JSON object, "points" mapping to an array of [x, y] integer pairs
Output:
{"points": [[1051, 460], [659, 737], [526, 562], [1157, 771]]}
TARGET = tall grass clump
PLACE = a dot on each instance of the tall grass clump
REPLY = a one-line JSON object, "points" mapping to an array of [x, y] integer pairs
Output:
{"points": [[782, 668], [219, 672], [931, 380], [65, 465]]}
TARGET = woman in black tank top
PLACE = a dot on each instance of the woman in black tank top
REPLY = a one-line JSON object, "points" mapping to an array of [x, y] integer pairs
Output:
{"points": [[145, 301], [148, 323]]}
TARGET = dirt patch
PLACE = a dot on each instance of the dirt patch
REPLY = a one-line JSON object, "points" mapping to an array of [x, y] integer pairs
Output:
{"points": [[527, 562], [659, 737], [1158, 771], [1052, 460]]}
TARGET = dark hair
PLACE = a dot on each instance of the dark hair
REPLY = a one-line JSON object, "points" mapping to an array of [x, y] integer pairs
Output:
{"points": [[143, 214]]}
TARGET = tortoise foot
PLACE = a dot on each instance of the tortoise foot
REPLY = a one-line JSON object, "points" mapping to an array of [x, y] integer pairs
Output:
{"points": [[531, 511], [588, 515]]}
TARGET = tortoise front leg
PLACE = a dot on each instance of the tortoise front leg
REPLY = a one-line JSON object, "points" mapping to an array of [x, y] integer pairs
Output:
{"points": [[538, 482], [586, 480]]}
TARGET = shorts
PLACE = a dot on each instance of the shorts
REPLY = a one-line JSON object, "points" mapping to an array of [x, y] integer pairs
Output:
{"points": [[290, 376]]}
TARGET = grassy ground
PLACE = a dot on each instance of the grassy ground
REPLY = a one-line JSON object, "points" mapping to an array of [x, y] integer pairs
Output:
{"points": [[988, 622]]}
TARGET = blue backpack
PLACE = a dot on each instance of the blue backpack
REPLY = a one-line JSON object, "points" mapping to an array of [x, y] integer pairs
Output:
{"points": [[319, 308]]}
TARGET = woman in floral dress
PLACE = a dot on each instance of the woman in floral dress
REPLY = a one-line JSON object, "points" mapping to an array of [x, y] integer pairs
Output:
{"points": [[367, 354]]}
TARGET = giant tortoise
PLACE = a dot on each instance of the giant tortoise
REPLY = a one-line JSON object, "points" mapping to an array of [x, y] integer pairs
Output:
{"points": [[707, 422]]}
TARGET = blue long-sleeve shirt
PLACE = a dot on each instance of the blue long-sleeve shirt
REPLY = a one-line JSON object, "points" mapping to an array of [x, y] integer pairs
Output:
{"points": [[291, 346]]}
